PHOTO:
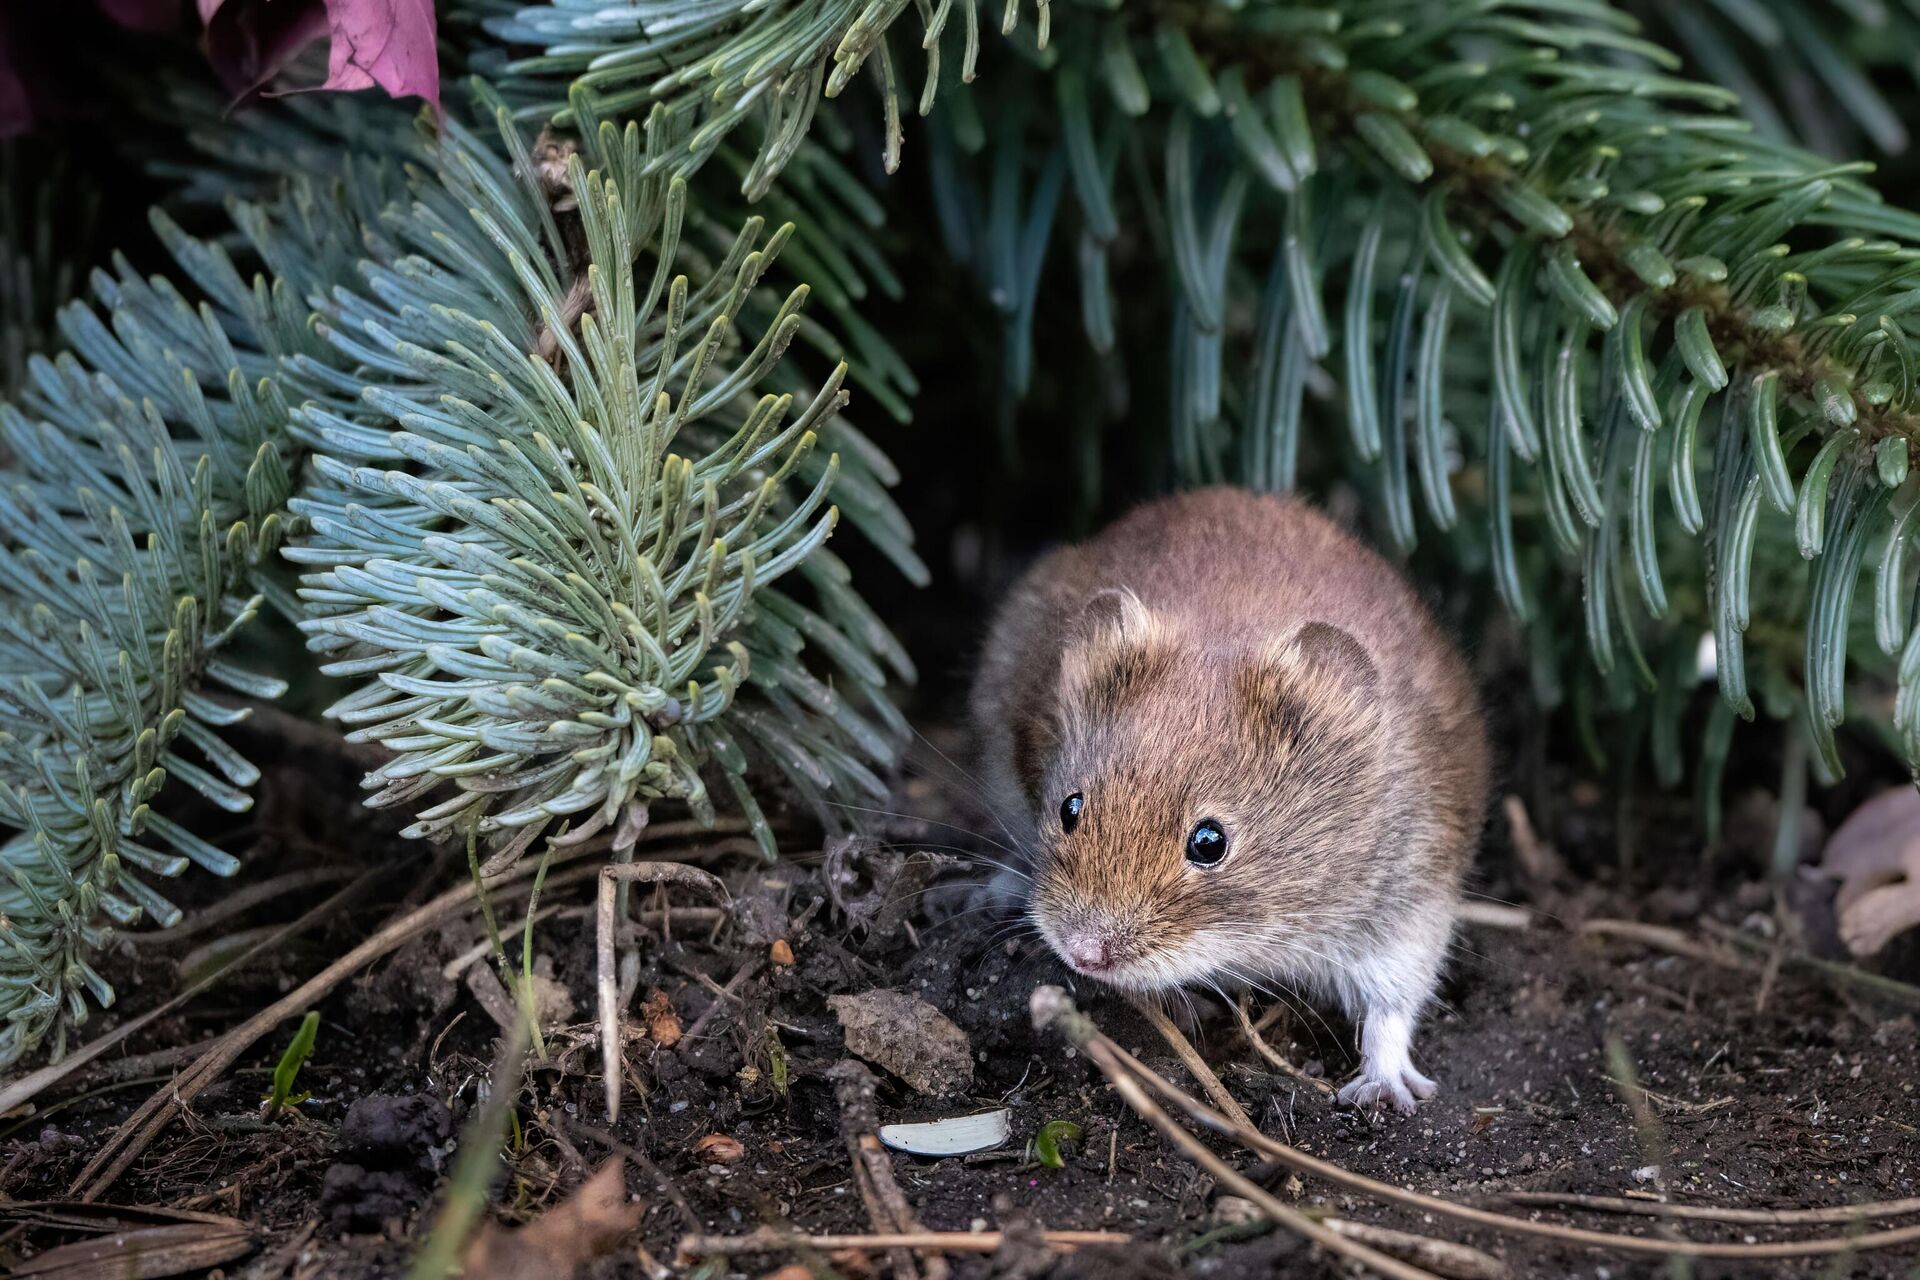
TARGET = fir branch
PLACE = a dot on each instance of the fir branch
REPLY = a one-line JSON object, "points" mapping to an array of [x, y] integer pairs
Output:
{"points": [[1545, 177], [453, 476]]}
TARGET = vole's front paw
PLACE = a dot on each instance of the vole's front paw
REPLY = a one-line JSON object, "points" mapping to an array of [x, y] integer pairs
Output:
{"points": [[1402, 1086]]}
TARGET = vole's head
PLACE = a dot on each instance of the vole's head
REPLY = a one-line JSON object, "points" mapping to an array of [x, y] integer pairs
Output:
{"points": [[1200, 807]]}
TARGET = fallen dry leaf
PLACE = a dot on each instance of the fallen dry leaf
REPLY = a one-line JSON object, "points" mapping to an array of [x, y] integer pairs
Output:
{"points": [[663, 1024], [909, 1037], [1875, 854], [584, 1226], [140, 1243], [718, 1148], [781, 952], [145, 1253]]}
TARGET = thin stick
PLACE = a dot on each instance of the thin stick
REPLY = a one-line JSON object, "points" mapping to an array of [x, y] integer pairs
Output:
{"points": [[611, 877], [1878, 983], [729, 992], [1757, 953], [1190, 1057], [1495, 915], [1662, 938], [250, 896], [30, 1086], [774, 1240], [139, 1129], [1831, 1215], [641, 1161], [1079, 1026], [1442, 1257], [1051, 1008], [1273, 1057], [887, 1207], [453, 968]]}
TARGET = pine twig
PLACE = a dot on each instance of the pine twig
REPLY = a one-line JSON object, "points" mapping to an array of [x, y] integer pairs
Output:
{"points": [[887, 1207], [1271, 1055], [1832, 1215], [774, 1240], [1191, 1059], [611, 878], [1052, 1008]]}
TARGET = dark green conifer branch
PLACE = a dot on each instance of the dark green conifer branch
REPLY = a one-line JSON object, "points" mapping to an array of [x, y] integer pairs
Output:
{"points": [[1685, 345]]}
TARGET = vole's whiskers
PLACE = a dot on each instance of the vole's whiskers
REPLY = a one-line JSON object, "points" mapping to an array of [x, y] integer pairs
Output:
{"points": [[1274, 989], [937, 822], [973, 784]]}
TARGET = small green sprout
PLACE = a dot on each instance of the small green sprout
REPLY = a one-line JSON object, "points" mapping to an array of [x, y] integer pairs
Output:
{"points": [[290, 1063], [777, 1053], [1046, 1143]]}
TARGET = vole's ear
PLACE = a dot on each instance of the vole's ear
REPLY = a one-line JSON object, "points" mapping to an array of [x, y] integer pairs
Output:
{"points": [[1115, 647], [1115, 617], [1328, 653], [1320, 676]]}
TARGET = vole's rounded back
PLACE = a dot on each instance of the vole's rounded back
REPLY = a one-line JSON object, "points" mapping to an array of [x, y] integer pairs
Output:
{"points": [[1237, 747]]}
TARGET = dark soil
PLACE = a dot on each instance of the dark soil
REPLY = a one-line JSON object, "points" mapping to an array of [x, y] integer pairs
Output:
{"points": [[1780, 1089]]}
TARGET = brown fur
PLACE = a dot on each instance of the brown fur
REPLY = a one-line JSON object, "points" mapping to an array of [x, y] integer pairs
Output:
{"points": [[1228, 655]]}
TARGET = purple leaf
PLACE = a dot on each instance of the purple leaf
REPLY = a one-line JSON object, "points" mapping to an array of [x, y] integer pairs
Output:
{"points": [[143, 15], [389, 43], [249, 41], [16, 104]]}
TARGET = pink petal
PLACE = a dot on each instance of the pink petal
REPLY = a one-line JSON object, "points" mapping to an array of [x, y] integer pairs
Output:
{"points": [[389, 43]]}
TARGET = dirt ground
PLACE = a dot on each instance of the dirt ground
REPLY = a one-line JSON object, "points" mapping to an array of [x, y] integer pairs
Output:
{"points": [[1767, 1085]]}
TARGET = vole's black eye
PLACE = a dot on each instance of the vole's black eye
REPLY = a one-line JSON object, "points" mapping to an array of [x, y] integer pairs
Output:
{"points": [[1207, 844], [1070, 811]]}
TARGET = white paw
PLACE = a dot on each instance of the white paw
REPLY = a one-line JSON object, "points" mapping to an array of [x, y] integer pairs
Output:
{"points": [[1402, 1087]]}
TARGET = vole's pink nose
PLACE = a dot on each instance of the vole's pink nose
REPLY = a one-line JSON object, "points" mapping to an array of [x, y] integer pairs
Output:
{"points": [[1089, 953]]}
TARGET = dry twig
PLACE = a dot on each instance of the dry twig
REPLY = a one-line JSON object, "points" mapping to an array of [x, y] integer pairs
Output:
{"points": [[1052, 1007], [641, 1160], [1442, 1257], [1191, 1059], [774, 1240], [30, 1086], [887, 1207], [244, 899], [145, 1124], [611, 877], [1829, 1215], [1272, 1055]]}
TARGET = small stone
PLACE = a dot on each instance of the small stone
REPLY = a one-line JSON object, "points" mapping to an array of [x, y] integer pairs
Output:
{"points": [[718, 1148], [909, 1037], [1234, 1211], [781, 952]]}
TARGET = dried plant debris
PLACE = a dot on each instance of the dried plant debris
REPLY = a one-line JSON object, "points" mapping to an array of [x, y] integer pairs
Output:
{"points": [[876, 888], [1875, 854], [909, 1037], [585, 1226], [127, 1242], [663, 1024]]}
